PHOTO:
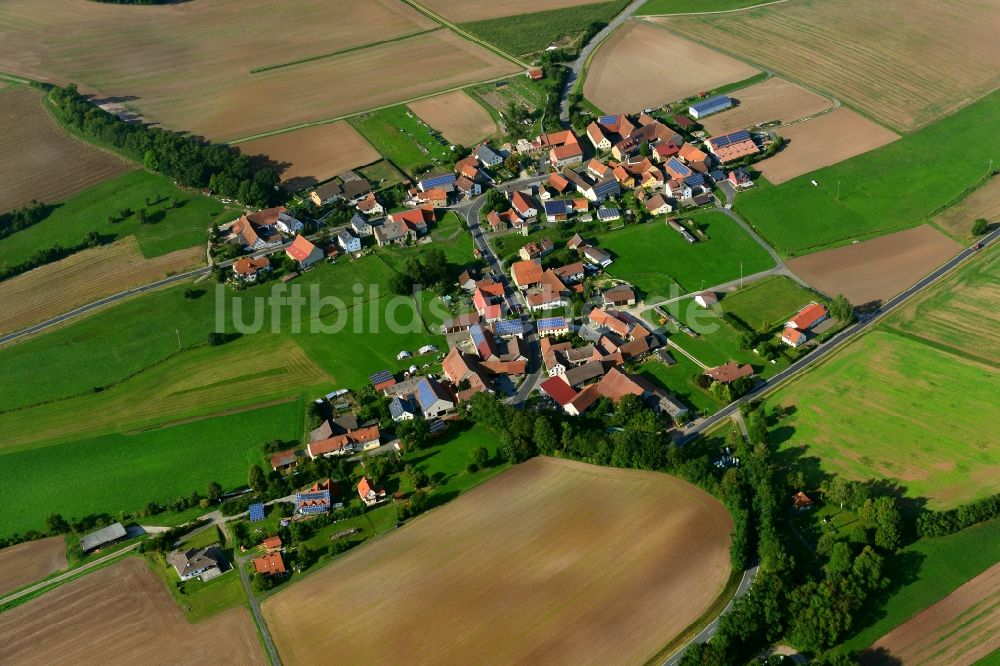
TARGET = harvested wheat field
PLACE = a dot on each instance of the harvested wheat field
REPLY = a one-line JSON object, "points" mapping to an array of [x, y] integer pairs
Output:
{"points": [[85, 277], [38, 160], [774, 99], [311, 155], [31, 561], [552, 562], [984, 202], [844, 47], [641, 66], [123, 615], [457, 116], [876, 269], [189, 66], [477, 10], [823, 141], [961, 629]]}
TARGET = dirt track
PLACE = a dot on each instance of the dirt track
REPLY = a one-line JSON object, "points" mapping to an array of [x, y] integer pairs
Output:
{"points": [[122, 615], [457, 116], [876, 269], [552, 562], [28, 562], [960, 629]]}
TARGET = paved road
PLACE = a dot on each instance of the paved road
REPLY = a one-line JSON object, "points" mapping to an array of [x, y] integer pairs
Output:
{"points": [[241, 566]]}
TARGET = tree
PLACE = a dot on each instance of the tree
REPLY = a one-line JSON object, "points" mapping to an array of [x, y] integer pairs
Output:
{"points": [[481, 457], [56, 524], [545, 435], [214, 491], [215, 339], [256, 479], [840, 560], [746, 340], [979, 227], [420, 478], [841, 308], [142, 216], [888, 524], [494, 201]]}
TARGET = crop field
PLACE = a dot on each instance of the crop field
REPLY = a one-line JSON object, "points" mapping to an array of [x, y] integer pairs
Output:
{"points": [[312, 155], [31, 561], [524, 34], [546, 530], [984, 202], [40, 160], [126, 607], [768, 302], [956, 631], [457, 116], [774, 99], [404, 139], [126, 471], [842, 47], [627, 73], [176, 219], [867, 196], [653, 256], [84, 277], [823, 141], [876, 269], [459, 12]]}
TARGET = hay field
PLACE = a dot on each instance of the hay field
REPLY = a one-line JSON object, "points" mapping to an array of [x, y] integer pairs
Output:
{"points": [[956, 631], [906, 76], [39, 160], [478, 10], [85, 277], [823, 141], [188, 65], [984, 202], [312, 155], [553, 561], [876, 269], [774, 99], [123, 615], [457, 116], [31, 561], [641, 66]]}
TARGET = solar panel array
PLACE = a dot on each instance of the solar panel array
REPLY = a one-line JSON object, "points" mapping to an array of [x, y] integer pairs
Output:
{"points": [[609, 213], [552, 322], [380, 377], [695, 180], [256, 512], [712, 103], [476, 331], [425, 394], [730, 139], [557, 207], [607, 120], [437, 425], [678, 166], [509, 327], [438, 181]]}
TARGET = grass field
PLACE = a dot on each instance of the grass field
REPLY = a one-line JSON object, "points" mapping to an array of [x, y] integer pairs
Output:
{"points": [[797, 217], [653, 7], [457, 116], [126, 471], [680, 380], [544, 530], [171, 227], [127, 606], [404, 139], [653, 256], [381, 174], [529, 33], [927, 571], [842, 47], [957, 220], [458, 11], [768, 302], [40, 161], [31, 561]]}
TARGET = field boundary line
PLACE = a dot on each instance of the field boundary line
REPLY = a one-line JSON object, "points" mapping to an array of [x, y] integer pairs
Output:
{"points": [[686, 353], [47, 585], [332, 54], [437, 18], [720, 11], [13, 78]]}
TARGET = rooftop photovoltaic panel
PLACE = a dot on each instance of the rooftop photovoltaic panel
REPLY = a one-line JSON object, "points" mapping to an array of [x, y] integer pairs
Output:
{"points": [[437, 181], [607, 120], [476, 332], [425, 393], [678, 166], [695, 180], [381, 376], [509, 327], [711, 103], [552, 322], [256, 512], [606, 213], [731, 138], [557, 207]]}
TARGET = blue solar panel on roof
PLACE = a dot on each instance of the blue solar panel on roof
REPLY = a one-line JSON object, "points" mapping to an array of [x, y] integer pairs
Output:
{"points": [[695, 180], [437, 181], [256, 512], [381, 376], [712, 103], [425, 394], [552, 322], [731, 138], [607, 120], [508, 327], [476, 332]]}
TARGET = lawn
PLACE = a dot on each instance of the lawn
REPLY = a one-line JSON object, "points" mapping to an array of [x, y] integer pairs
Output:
{"points": [[693, 6], [404, 139], [680, 380], [894, 187], [171, 227], [200, 600], [529, 33], [767, 303], [653, 257], [119, 472], [381, 174], [926, 572]]}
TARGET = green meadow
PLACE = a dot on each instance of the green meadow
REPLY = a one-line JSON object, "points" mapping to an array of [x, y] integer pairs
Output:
{"points": [[403, 139], [767, 303], [652, 7]]}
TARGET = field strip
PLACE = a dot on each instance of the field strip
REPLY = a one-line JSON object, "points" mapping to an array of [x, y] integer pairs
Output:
{"points": [[4, 76], [360, 47], [462, 33], [940, 346], [722, 11], [203, 417]]}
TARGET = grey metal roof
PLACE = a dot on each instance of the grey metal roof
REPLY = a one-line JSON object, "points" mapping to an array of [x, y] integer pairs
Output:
{"points": [[102, 536]]}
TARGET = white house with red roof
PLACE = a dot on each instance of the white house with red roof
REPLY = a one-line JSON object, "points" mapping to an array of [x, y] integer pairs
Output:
{"points": [[304, 252], [793, 337], [368, 493], [808, 317]]}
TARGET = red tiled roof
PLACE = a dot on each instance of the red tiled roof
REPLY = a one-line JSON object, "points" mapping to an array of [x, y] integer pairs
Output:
{"points": [[602, 318], [792, 336], [729, 371], [270, 564], [558, 390], [271, 543], [616, 384], [249, 266], [808, 316], [527, 272], [300, 249]]}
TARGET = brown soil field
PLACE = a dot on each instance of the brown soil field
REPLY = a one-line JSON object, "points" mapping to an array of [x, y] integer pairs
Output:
{"points": [[31, 561], [984, 202], [961, 629], [879, 268], [83, 278], [553, 562], [774, 99], [460, 12], [844, 47], [41, 161], [457, 116], [823, 141], [123, 615], [312, 155], [641, 66], [188, 65]]}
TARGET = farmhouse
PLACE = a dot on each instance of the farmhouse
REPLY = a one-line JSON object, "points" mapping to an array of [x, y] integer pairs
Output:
{"points": [[352, 441], [444, 181], [658, 205], [402, 409], [303, 252], [258, 231], [552, 326], [106, 536], [433, 399], [370, 206], [709, 106], [729, 372], [368, 493], [557, 210], [348, 242], [606, 131], [248, 268], [270, 564], [353, 189], [618, 296], [204, 563], [436, 197], [392, 233], [535, 74], [793, 337], [416, 220], [509, 219], [732, 146], [564, 148], [524, 204], [808, 317], [526, 273], [316, 499]]}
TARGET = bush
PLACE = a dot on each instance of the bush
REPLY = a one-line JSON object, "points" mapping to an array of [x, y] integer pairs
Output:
{"points": [[979, 227]]}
